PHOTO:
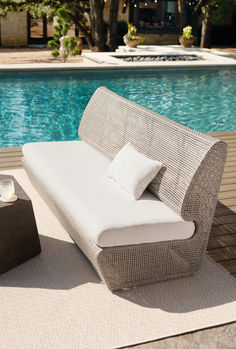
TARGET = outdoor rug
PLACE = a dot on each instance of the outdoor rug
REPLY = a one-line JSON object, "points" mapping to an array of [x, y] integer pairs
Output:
{"points": [[56, 300]]}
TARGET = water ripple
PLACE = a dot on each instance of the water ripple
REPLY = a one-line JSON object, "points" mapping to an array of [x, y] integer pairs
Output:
{"points": [[43, 108]]}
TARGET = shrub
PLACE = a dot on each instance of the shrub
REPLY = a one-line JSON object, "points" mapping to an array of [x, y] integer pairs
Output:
{"points": [[69, 45]]}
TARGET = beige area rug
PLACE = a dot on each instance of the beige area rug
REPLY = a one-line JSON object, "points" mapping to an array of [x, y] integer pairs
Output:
{"points": [[56, 299]]}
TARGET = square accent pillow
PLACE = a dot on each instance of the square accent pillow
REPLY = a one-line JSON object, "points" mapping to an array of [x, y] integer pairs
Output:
{"points": [[132, 170]]}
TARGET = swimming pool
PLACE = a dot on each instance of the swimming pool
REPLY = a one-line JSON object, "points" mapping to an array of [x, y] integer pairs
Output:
{"points": [[49, 108]]}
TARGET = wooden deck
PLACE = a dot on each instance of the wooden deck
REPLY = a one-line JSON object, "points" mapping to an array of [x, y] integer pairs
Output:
{"points": [[222, 243], [221, 247]]}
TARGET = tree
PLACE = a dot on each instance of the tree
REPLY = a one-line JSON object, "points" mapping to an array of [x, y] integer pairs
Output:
{"points": [[182, 14], [69, 44], [96, 39], [207, 8], [97, 24], [76, 10], [206, 25], [40, 8], [112, 25]]}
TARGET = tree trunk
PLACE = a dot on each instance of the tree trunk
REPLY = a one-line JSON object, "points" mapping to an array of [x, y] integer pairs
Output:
{"points": [[86, 35], [97, 24], [112, 25], [182, 15], [80, 28], [206, 27]]}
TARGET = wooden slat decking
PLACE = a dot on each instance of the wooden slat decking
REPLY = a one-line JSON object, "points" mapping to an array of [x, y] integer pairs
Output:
{"points": [[10, 158], [222, 243]]}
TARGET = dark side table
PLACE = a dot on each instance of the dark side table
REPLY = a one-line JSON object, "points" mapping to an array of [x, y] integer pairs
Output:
{"points": [[19, 240]]}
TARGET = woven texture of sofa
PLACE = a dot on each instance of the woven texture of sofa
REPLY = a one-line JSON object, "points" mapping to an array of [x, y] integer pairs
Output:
{"points": [[188, 184]]}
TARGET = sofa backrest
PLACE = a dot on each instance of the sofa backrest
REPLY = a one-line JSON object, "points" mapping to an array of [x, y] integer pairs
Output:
{"points": [[193, 162]]}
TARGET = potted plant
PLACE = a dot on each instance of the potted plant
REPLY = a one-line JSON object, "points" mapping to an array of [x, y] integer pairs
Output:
{"points": [[187, 39], [131, 39]]}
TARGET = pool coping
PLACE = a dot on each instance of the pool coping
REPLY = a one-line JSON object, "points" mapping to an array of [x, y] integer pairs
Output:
{"points": [[69, 68], [100, 62]]}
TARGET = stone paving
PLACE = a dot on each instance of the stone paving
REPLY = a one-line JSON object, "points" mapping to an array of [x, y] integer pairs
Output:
{"points": [[43, 55], [32, 55], [229, 50]]}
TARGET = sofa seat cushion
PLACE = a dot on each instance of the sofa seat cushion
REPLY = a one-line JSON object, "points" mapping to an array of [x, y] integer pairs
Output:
{"points": [[75, 174]]}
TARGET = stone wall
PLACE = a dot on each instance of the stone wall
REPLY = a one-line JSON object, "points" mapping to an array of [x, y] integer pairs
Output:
{"points": [[161, 39], [14, 29]]}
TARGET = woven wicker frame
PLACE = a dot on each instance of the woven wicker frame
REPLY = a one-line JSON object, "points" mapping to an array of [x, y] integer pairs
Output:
{"points": [[188, 183]]}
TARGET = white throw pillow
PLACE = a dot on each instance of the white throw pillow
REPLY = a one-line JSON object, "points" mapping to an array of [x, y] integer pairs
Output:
{"points": [[132, 170]]}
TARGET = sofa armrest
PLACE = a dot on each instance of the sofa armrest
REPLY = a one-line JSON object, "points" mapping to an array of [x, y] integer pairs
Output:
{"points": [[201, 196]]}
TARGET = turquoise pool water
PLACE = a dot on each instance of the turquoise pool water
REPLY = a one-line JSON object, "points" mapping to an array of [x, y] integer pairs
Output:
{"points": [[49, 108]]}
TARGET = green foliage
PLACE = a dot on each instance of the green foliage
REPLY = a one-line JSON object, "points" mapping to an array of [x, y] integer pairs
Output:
{"points": [[72, 10], [53, 44], [69, 48], [63, 14], [65, 29], [69, 45], [142, 40], [224, 11], [56, 37], [221, 9], [58, 28], [187, 32], [60, 21], [36, 8], [55, 53], [132, 32], [48, 8]]}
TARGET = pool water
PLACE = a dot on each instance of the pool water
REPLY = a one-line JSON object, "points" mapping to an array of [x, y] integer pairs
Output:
{"points": [[49, 108]]}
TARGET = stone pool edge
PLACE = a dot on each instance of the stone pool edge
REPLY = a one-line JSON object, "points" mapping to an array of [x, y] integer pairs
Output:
{"points": [[99, 62], [50, 69]]}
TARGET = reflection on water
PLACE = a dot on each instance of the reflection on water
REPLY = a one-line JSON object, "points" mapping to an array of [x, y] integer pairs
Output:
{"points": [[49, 108]]}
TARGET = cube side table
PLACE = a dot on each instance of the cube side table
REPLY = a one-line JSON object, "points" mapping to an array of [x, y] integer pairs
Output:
{"points": [[19, 239]]}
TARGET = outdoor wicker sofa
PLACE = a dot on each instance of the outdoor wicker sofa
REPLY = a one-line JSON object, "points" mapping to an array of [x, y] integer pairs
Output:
{"points": [[71, 177]]}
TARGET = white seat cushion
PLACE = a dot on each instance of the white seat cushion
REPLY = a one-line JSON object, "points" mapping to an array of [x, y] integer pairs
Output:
{"points": [[75, 174]]}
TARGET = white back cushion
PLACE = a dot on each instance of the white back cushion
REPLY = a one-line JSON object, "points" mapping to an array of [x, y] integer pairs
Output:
{"points": [[132, 170]]}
